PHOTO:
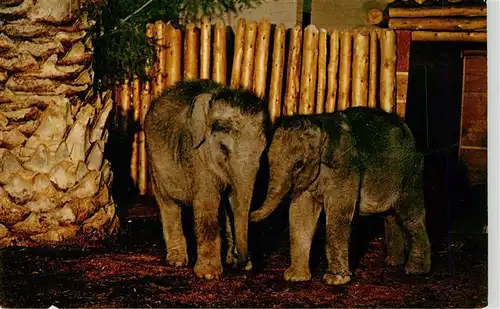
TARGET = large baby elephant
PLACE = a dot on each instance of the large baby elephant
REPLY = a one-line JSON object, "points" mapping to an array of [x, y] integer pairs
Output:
{"points": [[203, 138], [335, 161]]}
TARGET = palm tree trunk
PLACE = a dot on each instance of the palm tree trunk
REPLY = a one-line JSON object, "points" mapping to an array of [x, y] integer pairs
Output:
{"points": [[54, 180]]}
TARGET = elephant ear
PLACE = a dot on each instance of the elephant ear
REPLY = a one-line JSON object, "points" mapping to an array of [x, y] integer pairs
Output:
{"points": [[338, 146], [199, 121]]}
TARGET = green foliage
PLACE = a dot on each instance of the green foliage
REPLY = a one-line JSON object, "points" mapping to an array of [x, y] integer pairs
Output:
{"points": [[121, 46], [189, 9]]}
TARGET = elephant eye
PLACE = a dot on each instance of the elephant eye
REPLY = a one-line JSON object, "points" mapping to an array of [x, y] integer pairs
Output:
{"points": [[224, 150], [218, 126], [298, 165]]}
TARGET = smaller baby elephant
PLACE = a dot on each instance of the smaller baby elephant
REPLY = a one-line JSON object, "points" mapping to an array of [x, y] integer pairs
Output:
{"points": [[336, 162]]}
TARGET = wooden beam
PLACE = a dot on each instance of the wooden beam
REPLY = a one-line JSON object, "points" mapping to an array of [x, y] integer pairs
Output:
{"points": [[473, 11], [474, 53], [442, 24], [375, 16], [434, 36], [403, 38]]}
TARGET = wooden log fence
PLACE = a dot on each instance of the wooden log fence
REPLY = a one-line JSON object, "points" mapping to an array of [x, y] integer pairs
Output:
{"points": [[440, 23], [308, 71]]}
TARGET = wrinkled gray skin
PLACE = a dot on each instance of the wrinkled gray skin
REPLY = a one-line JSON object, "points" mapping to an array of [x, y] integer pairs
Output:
{"points": [[203, 138], [331, 162]]}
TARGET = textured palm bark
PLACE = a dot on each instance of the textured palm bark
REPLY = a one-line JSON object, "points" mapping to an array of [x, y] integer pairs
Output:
{"points": [[54, 180]]}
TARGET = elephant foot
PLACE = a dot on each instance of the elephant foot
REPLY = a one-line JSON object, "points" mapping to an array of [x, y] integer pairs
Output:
{"points": [[391, 260], [294, 274], [418, 263], [208, 270], [177, 258], [417, 267], [232, 257], [332, 279]]}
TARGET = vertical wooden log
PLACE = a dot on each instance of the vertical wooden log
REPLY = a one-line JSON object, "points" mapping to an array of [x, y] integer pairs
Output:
{"points": [[239, 42], [220, 53], [333, 68], [309, 70], [322, 45], [403, 67], [150, 33], [173, 45], [125, 106], [145, 103], [387, 70], [278, 62], [117, 100], [361, 52], [191, 48], [261, 57], [125, 98], [136, 104], [159, 67], [293, 72], [345, 70], [248, 55], [205, 48], [117, 96], [372, 89]]}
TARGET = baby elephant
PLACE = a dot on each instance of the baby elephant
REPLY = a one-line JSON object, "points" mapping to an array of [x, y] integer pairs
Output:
{"points": [[202, 140], [335, 162]]}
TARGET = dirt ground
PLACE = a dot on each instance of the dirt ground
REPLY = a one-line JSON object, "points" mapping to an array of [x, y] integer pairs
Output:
{"points": [[129, 271]]}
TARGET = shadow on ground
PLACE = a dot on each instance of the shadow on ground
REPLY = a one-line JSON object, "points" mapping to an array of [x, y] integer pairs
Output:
{"points": [[129, 271]]}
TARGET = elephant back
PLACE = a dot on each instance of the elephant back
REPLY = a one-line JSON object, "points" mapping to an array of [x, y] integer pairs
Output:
{"points": [[379, 136]]}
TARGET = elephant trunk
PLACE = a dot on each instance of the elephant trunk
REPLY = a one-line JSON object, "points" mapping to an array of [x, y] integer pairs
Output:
{"points": [[241, 209], [278, 188]]}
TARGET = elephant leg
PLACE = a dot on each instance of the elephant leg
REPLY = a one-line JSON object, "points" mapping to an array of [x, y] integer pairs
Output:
{"points": [[175, 241], [412, 216], [395, 242], [304, 214], [339, 211], [205, 209]]}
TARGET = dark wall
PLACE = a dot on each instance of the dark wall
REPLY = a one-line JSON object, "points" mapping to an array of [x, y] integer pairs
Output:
{"points": [[433, 113]]}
